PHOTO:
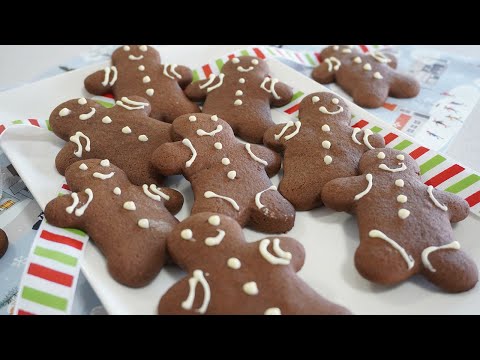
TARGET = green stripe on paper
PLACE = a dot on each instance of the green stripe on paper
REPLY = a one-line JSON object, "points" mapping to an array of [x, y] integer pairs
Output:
{"points": [[43, 298], [105, 104], [297, 95], [75, 231], [16, 122], [463, 184], [376, 129], [402, 145], [271, 52], [244, 53], [430, 164], [48, 125], [195, 76], [55, 255], [310, 59], [219, 63]]}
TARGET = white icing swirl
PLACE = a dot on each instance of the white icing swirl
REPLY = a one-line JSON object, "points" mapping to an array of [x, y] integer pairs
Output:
{"points": [[192, 282], [211, 194], [455, 245], [369, 178], [259, 194], [408, 258]]}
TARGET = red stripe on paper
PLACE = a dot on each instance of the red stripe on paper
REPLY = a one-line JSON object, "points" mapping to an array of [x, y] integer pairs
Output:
{"points": [[473, 199], [360, 124], [445, 175], [389, 106], [300, 58], [318, 56], [364, 48], [66, 187], [259, 53], [418, 152], [23, 312], [2, 128], [207, 70], [47, 235], [292, 109], [389, 138], [231, 56], [34, 122], [50, 275], [109, 95]]}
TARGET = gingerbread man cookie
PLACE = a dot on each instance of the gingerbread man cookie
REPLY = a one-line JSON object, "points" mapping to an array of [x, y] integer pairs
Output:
{"points": [[3, 243], [242, 95], [368, 78], [136, 70], [227, 275], [227, 176], [128, 223], [124, 134], [319, 147], [404, 224]]}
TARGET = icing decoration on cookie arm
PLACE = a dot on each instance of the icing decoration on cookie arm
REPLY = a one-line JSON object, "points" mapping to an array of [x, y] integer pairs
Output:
{"points": [[275, 135], [284, 251], [269, 158], [198, 90], [343, 194], [172, 158], [280, 93], [325, 73], [186, 76], [74, 209], [102, 81], [457, 208]]}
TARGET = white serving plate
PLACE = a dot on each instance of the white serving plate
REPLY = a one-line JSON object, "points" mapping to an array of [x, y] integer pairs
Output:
{"points": [[330, 238]]}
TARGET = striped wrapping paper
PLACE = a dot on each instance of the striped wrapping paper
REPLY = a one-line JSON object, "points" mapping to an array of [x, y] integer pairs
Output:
{"points": [[51, 272]]}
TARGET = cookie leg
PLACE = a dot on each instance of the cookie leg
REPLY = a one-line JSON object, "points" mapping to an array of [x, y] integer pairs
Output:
{"points": [[301, 194], [271, 213], [371, 97], [378, 261], [451, 270]]}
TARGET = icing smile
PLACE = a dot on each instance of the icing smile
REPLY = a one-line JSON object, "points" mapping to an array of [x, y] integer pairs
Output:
{"points": [[132, 57], [386, 168], [242, 69]]}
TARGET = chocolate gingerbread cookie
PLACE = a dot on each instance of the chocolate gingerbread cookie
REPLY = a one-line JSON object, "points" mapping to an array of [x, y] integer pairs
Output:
{"points": [[128, 223], [319, 147], [404, 224], [227, 176], [136, 70], [242, 94], [369, 78], [227, 275], [125, 134], [3, 243]]}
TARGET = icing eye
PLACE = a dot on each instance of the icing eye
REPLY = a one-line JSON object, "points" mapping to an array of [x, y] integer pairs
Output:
{"points": [[186, 234], [400, 157], [143, 48], [381, 155], [315, 99], [255, 62], [235, 60], [192, 118], [126, 48], [335, 101]]}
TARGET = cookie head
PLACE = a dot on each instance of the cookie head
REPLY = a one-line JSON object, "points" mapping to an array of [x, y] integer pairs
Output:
{"points": [[333, 50], [198, 125], [140, 54], [246, 66], [388, 161], [325, 107], [95, 173], [195, 238]]}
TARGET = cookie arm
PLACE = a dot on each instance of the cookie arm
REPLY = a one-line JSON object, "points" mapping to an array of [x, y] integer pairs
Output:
{"points": [[275, 140], [175, 202], [376, 140], [322, 75], [288, 245], [170, 158], [93, 83], [274, 161], [281, 94], [458, 208], [403, 86], [196, 91], [186, 76], [56, 211], [339, 194]]}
